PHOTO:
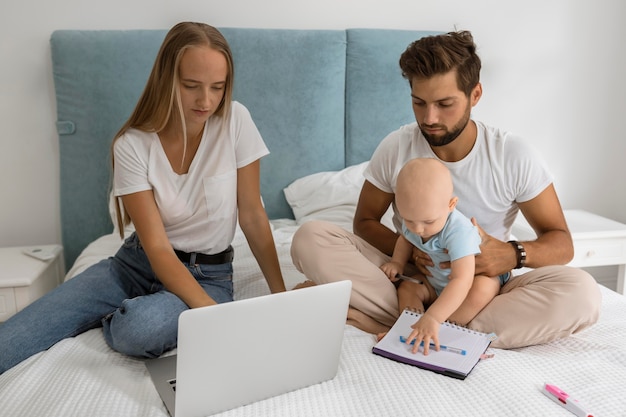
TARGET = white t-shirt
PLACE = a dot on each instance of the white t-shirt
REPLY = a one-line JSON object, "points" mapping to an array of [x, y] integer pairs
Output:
{"points": [[500, 171], [199, 208]]}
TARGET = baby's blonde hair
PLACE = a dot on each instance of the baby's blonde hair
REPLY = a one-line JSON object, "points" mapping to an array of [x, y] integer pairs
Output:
{"points": [[425, 177]]}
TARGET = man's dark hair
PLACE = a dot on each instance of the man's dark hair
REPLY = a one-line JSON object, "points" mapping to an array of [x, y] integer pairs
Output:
{"points": [[440, 54]]}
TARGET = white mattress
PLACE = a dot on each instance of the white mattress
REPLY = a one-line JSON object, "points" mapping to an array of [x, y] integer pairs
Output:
{"points": [[83, 377]]}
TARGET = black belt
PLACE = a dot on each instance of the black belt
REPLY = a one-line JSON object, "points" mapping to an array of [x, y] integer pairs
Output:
{"points": [[194, 258]]}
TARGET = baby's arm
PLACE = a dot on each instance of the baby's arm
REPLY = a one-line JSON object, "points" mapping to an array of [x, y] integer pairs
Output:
{"points": [[460, 282], [426, 329], [401, 253]]}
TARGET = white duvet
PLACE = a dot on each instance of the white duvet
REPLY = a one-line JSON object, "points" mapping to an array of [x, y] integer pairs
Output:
{"points": [[83, 377]]}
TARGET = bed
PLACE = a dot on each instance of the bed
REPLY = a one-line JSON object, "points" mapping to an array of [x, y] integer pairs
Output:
{"points": [[322, 100]]}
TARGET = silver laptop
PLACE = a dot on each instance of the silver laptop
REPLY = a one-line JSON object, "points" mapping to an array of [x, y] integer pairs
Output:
{"points": [[240, 352]]}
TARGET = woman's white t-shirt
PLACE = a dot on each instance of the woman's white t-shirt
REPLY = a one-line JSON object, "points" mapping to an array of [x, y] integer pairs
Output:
{"points": [[500, 171], [199, 208]]}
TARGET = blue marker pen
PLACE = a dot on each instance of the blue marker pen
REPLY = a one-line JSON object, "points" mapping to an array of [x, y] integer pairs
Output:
{"points": [[441, 347]]}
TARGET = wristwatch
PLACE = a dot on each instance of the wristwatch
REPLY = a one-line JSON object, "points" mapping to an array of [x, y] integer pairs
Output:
{"points": [[520, 252]]}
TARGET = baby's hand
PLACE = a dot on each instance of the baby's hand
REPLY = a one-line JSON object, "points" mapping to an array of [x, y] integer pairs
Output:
{"points": [[426, 330], [391, 269]]}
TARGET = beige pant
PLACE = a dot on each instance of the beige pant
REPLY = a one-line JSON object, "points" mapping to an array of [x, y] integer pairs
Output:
{"points": [[537, 307]]}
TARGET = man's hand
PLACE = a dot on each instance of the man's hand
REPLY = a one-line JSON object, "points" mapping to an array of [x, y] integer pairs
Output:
{"points": [[495, 256], [422, 260]]}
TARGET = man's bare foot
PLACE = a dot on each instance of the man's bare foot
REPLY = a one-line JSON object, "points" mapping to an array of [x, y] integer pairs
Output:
{"points": [[355, 317], [364, 322], [305, 284]]}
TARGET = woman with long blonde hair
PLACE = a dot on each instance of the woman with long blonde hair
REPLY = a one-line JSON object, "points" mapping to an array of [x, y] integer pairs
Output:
{"points": [[185, 171]]}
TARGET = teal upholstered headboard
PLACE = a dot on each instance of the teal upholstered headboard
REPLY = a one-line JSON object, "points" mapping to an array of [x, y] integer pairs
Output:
{"points": [[322, 100]]}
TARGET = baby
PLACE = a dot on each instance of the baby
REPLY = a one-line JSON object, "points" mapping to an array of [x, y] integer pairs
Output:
{"points": [[425, 201]]}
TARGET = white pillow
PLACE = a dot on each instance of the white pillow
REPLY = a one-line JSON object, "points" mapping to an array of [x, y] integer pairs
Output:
{"points": [[331, 196]]}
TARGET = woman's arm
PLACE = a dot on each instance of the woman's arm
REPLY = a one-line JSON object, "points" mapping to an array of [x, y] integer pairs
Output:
{"points": [[255, 225], [143, 211]]}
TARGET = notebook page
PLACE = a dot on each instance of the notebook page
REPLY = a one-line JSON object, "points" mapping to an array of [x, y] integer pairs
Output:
{"points": [[473, 342]]}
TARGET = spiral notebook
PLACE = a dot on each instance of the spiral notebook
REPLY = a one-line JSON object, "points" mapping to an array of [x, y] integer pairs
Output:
{"points": [[463, 347]]}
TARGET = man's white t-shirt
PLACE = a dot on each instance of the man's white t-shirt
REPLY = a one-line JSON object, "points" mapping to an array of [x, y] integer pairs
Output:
{"points": [[199, 208], [500, 171]]}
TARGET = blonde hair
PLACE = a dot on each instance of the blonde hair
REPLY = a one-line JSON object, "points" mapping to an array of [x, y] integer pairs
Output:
{"points": [[155, 107], [427, 179]]}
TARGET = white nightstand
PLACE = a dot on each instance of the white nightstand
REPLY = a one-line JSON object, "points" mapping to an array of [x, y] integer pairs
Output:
{"points": [[598, 241], [23, 279]]}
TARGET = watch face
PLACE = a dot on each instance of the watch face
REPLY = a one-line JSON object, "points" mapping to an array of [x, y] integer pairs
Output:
{"points": [[520, 253]]}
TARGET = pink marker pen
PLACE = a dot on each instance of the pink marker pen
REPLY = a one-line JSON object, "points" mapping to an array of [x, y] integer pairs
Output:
{"points": [[562, 398]]}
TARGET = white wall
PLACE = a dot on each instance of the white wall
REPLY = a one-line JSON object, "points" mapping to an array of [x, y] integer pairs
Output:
{"points": [[553, 72]]}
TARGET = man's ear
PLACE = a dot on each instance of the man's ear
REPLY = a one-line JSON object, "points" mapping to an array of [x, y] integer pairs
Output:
{"points": [[452, 203], [476, 94]]}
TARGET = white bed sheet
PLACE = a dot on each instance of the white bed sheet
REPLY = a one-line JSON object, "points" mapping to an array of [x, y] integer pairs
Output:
{"points": [[83, 377]]}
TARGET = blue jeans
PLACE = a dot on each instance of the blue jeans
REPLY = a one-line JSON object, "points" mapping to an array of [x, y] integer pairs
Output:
{"points": [[122, 295]]}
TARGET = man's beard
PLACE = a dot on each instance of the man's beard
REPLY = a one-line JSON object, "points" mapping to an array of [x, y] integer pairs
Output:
{"points": [[450, 135]]}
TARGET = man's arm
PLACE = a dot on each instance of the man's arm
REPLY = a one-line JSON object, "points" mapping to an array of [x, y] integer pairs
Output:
{"points": [[372, 205], [553, 245]]}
